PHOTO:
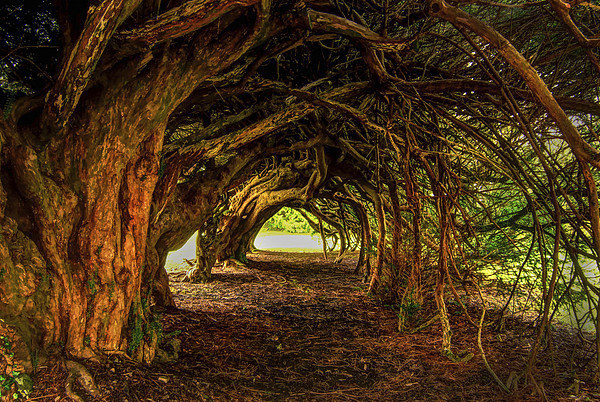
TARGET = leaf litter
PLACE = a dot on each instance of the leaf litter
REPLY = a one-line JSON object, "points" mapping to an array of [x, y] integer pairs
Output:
{"points": [[296, 327]]}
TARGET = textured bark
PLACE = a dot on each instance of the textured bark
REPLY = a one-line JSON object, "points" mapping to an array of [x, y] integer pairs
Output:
{"points": [[382, 276], [340, 230], [442, 274], [78, 66], [263, 196], [364, 257], [179, 21], [412, 293], [74, 230], [189, 209], [25, 300]]}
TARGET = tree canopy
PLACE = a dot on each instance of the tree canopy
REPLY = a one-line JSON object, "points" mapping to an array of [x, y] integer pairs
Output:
{"points": [[447, 141]]}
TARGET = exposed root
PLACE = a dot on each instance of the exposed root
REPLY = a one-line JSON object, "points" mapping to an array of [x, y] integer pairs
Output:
{"points": [[425, 325], [79, 373], [233, 263], [462, 356]]}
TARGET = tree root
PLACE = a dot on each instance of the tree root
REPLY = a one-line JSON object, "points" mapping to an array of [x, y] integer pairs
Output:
{"points": [[462, 356], [82, 375], [197, 275], [425, 325], [232, 263]]}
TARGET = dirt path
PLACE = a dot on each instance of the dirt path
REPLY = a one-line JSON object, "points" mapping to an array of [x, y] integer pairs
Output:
{"points": [[295, 327]]}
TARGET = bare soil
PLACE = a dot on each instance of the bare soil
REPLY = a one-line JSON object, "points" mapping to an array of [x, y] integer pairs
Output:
{"points": [[295, 327]]}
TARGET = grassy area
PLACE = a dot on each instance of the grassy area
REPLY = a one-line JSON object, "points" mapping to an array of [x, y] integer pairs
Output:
{"points": [[288, 242], [266, 240]]}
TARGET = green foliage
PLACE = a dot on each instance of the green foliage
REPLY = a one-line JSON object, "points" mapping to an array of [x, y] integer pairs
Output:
{"points": [[410, 307], [288, 220], [12, 382], [155, 328]]}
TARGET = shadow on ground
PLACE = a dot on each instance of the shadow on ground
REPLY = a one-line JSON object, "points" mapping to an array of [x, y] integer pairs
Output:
{"points": [[296, 327]]}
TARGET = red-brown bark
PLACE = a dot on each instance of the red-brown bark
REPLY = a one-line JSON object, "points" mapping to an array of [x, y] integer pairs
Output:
{"points": [[85, 173]]}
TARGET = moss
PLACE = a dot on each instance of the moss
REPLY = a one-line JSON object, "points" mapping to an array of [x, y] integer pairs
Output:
{"points": [[111, 290], [155, 328], [137, 334], [92, 286], [141, 328]]}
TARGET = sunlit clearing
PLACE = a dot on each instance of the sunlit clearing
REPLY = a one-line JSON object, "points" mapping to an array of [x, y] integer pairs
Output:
{"points": [[289, 231], [288, 242]]}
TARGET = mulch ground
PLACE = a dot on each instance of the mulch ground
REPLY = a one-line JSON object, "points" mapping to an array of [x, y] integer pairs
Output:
{"points": [[295, 327]]}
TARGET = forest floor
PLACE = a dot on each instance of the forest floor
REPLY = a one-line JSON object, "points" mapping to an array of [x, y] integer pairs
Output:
{"points": [[297, 327]]}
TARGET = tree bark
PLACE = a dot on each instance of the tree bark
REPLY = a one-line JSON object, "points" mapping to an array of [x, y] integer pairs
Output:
{"points": [[82, 178], [189, 209], [381, 279]]}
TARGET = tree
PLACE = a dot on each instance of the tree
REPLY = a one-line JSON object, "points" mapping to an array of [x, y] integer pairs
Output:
{"points": [[132, 142], [83, 161]]}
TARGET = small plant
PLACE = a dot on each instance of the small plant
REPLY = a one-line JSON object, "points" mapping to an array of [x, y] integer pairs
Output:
{"points": [[410, 308], [13, 383]]}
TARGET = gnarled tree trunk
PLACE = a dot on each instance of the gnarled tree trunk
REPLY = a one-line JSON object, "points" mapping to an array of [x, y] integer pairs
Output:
{"points": [[81, 171]]}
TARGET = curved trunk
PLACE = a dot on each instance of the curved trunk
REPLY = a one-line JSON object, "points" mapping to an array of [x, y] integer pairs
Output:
{"points": [[263, 197], [381, 276], [159, 284], [194, 206], [206, 253], [246, 244], [74, 230], [339, 228]]}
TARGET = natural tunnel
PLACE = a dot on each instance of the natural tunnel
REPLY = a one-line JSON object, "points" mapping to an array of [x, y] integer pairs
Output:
{"points": [[453, 146]]}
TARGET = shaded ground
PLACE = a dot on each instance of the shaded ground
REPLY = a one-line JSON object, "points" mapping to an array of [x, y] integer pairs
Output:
{"points": [[295, 327]]}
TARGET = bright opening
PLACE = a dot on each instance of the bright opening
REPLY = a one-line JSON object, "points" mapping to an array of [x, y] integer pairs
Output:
{"points": [[289, 231]]}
